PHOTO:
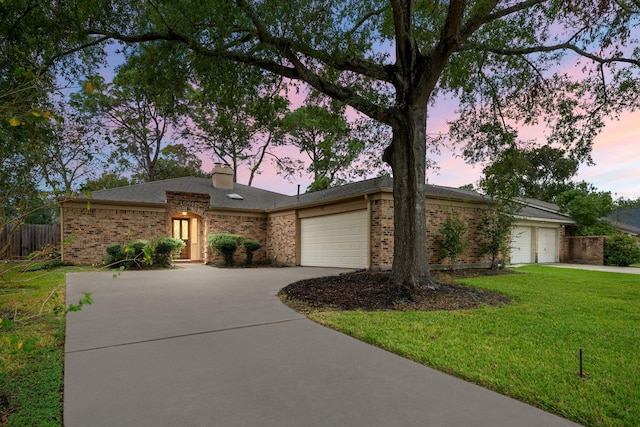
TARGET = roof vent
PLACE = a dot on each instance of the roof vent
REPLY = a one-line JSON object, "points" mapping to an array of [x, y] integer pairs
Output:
{"points": [[234, 196]]}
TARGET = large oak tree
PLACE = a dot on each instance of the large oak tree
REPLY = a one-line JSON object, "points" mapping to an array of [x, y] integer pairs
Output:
{"points": [[501, 59]]}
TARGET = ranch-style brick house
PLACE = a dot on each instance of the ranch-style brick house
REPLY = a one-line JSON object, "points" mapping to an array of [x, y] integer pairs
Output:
{"points": [[348, 226]]}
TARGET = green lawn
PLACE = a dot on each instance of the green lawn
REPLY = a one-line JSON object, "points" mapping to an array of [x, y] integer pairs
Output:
{"points": [[528, 350], [31, 346]]}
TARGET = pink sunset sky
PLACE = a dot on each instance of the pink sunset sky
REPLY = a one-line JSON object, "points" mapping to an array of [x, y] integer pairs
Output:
{"points": [[616, 154]]}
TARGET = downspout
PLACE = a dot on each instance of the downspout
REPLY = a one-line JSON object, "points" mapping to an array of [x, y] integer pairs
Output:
{"points": [[368, 200]]}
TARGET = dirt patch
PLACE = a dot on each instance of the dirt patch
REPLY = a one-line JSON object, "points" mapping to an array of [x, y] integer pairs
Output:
{"points": [[6, 408], [375, 291]]}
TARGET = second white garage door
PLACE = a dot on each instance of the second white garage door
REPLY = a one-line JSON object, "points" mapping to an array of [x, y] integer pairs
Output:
{"points": [[338, 240], [547, 245]]}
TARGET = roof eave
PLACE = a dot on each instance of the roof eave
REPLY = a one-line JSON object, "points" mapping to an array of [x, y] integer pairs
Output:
{"points": [[538, 219], [90, 202]]}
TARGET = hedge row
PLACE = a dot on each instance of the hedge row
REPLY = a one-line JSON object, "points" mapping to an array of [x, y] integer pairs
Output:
{"points": [[143, 253], [226, 244]]}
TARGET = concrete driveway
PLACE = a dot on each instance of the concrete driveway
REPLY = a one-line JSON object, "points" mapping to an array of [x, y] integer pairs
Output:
{"points": [[214, 347]]}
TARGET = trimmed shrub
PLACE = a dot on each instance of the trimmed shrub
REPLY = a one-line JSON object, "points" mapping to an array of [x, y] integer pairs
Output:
{"points": [[143, 254], [451, 239], [115, 255], [164, 249], [250, 246], [138, 254], [621, 250], [226, 244]]}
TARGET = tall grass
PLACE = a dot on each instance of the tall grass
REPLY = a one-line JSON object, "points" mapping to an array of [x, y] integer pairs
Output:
{"points": [[31, 346], [529, 349]]}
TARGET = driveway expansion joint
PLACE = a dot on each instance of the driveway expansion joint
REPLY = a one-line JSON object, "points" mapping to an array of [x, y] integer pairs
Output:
{"points": [[192, 334]]}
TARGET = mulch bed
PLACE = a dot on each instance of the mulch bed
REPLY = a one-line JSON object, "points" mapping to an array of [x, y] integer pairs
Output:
{"points": [[375, 291]]}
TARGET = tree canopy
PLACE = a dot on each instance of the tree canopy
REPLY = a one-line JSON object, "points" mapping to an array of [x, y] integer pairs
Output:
{"points": [[325, 137], [539, 172], [589, 208], [507, 62], [234, 115]]}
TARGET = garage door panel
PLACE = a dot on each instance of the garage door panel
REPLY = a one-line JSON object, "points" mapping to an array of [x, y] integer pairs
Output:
{"points": [[547, 245], [338, 240], [522, 245]]}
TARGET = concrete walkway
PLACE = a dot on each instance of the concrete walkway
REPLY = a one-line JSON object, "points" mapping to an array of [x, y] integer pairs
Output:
{"points": [[604, 268], [212, 347]]}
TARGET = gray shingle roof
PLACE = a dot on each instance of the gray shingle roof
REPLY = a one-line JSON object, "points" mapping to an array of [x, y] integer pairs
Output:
{"points": [[629, 216], [384, 184], [528, 211], [154, 192], [626, 219], [542, 204], [258, 199], [538, 209]]}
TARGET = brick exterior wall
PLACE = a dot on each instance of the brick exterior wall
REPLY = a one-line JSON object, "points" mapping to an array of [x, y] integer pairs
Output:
{"points": [[101, 226], [251, 227], [582, 250], [281, 238], [381, 245], [471, 214], [382, 229], [96, 228], [92, 230]]}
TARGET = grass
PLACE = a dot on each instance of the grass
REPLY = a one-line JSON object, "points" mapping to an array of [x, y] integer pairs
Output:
{"points": [[31, 345], [529, 349]]}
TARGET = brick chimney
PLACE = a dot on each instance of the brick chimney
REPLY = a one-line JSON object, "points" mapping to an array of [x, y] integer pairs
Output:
{"points": [[222, 177]]}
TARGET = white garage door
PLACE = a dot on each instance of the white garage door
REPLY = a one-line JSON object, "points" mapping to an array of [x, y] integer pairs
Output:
{"points": [[338, 240], [522, 245], [547, 245]]}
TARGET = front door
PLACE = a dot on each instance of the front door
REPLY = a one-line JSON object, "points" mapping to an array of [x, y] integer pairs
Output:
{"points": [[181, 231]]}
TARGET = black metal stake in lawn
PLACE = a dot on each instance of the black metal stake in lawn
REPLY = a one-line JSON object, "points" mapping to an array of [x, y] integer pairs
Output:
{"points": [[580, 356], [580, 363]]}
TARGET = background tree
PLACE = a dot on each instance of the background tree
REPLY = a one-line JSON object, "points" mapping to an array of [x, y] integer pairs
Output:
{"points": [[628, 203], [325, 138], [235, 116], [496, 57], [176, 161], [73, 152], [539, 172], [588, 207], [105, 181], [140, 108]]}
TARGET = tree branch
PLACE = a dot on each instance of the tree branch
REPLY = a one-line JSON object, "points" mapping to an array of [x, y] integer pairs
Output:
{"points": [[518, 7], [364, 19], [406, 49], [551, 48]]}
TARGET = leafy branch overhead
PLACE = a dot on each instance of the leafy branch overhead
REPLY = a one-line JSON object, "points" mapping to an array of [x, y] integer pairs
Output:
{"points": [[563, 65]]}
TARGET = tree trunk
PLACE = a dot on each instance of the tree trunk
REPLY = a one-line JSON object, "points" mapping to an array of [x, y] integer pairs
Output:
{"points": [[407, 157]]}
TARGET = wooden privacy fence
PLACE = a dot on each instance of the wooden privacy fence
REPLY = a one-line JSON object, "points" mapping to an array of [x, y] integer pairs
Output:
{"points": [[19, 242]]}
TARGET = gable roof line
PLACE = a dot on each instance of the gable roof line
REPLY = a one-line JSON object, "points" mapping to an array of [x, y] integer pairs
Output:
{"points": [[262, 201]]}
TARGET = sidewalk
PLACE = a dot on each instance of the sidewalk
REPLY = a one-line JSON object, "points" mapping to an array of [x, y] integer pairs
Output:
{"points": [[604, 268], [210, 347]]}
